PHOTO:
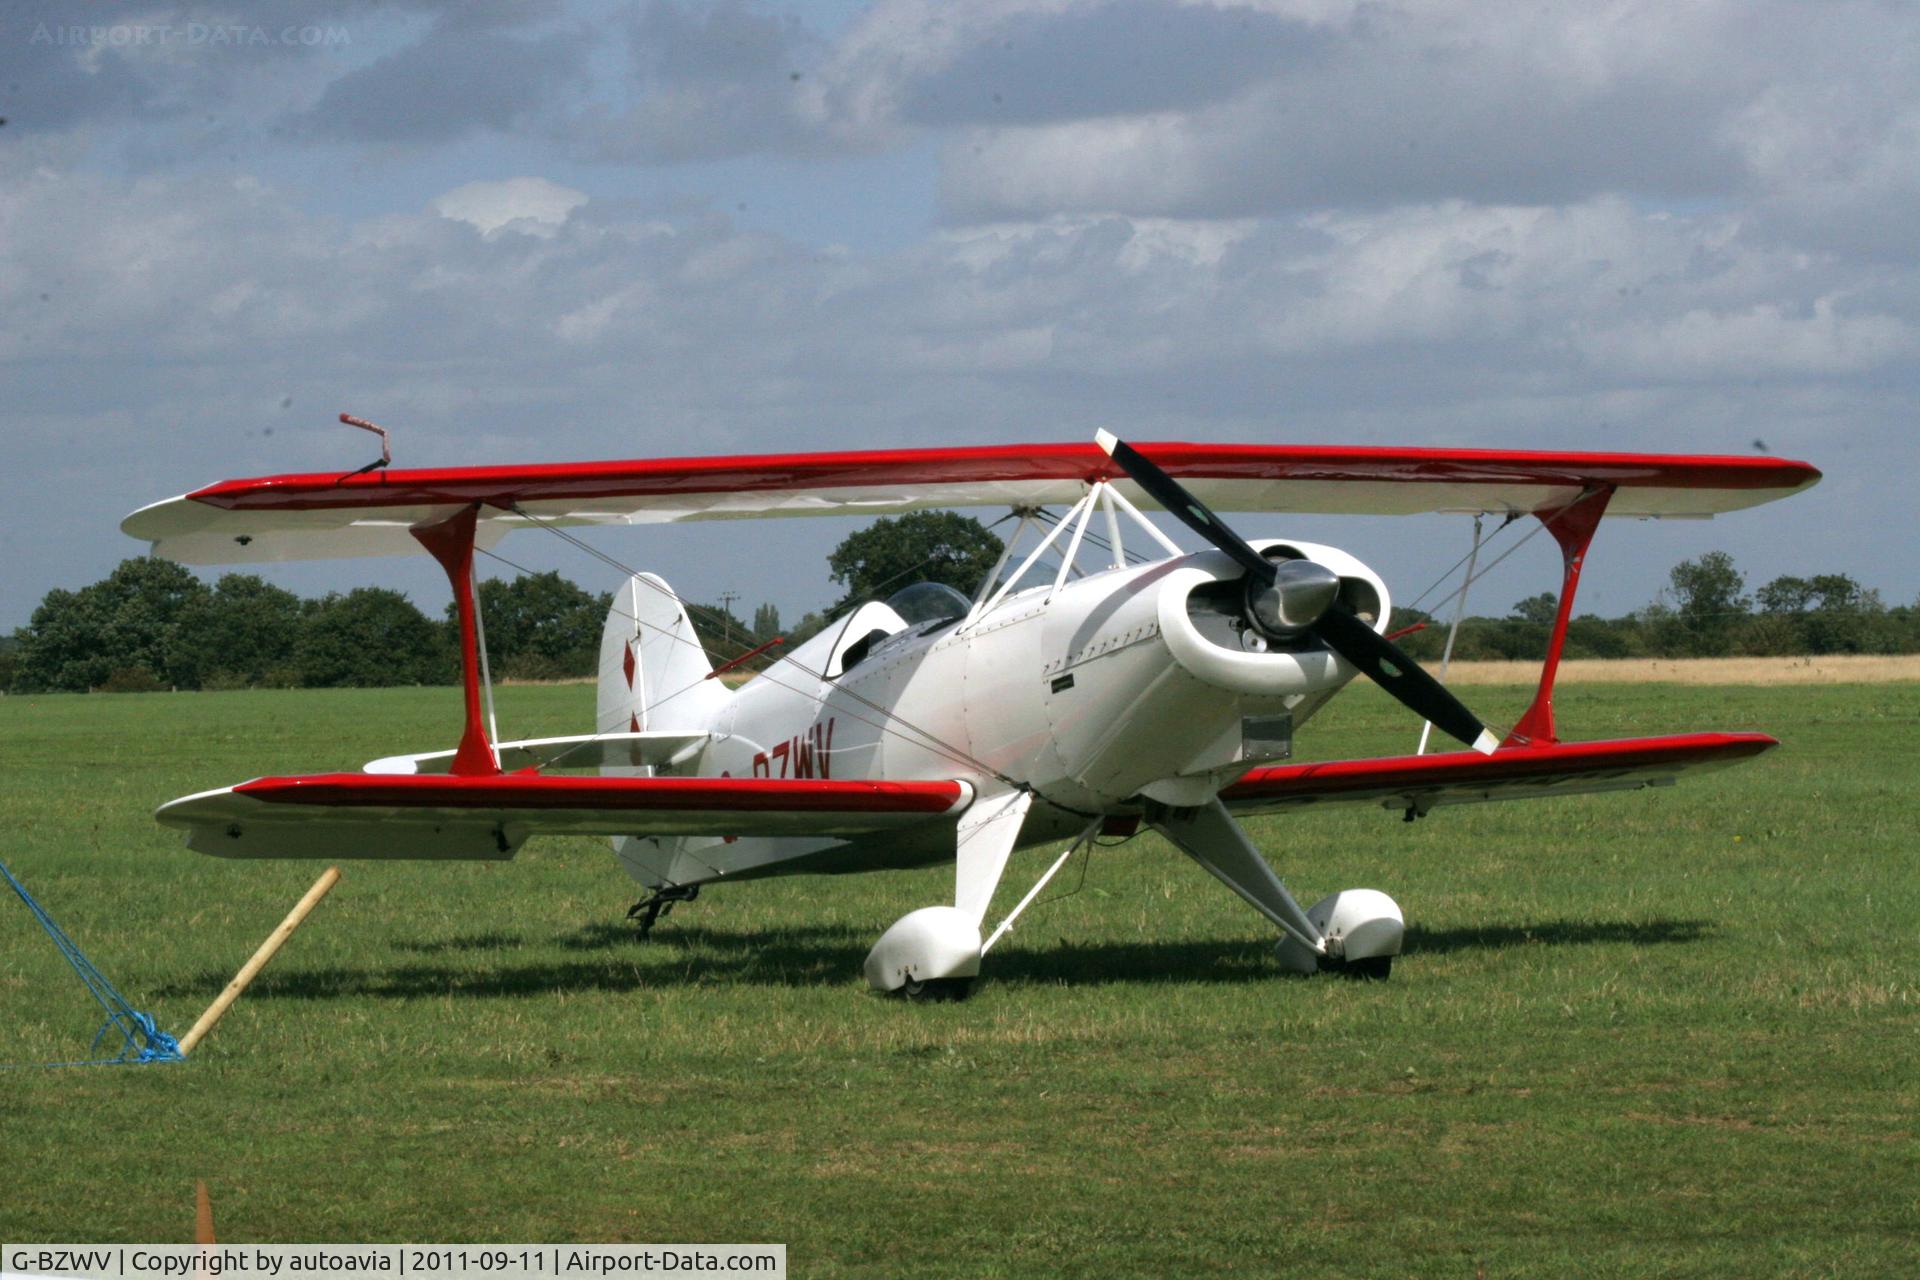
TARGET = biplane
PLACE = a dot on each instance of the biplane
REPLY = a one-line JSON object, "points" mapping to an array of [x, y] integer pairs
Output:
{"points": [[1101, 679]]}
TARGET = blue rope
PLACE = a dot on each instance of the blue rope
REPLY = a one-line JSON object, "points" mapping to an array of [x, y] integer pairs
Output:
{"points": [[143, 1042]]}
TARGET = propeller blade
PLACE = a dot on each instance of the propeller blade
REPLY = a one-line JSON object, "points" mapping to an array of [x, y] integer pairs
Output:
{"points": [[1186, 508], [1338, 626], [1401, 676]]}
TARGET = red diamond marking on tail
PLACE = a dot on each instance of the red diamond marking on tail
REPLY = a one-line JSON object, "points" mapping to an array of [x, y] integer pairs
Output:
{"points": [[627, 664], [633, 722]]}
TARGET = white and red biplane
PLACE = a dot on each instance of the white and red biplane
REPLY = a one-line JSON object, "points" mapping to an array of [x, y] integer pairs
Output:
{"points": [[1080, 690]]}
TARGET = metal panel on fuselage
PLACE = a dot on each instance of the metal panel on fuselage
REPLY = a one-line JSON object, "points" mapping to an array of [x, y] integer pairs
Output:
{"points": [[1120, 712]]}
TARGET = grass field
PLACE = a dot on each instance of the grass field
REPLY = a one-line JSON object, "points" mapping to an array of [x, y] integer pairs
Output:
{"points": [[1669, 1033]]}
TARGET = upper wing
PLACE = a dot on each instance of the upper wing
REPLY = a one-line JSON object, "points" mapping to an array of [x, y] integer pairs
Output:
{"points": [[358, 815], [297, 517], [1463, 777]]}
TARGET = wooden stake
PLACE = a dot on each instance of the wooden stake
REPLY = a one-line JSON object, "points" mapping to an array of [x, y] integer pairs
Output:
{"points": [[202, 1215], [251, 970]]}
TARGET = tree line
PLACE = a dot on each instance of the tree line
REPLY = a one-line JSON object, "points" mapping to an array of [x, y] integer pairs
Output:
{"points": [[1704, 612], [151, 624]]}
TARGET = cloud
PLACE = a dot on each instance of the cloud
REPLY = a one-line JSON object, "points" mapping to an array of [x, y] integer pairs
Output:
{"points": [[1760, 339], [532, 206], [1392, 105], [1211, 108], [468, 73], [1808, 113], [115, 60], [1112, 58], [598, 305], [721, 80]]}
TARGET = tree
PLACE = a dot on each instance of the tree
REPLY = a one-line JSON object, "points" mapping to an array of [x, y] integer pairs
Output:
{"points": [[242, 633], [1708, 603], [921, 546], [1785, 594], [1542, 609], [766, 622], [1827, 613], [1589, 636], [119, 631], [370, 637], [540, 626]]}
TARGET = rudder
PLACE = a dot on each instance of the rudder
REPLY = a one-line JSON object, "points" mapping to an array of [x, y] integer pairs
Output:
{"points": [[653, 676], [653, 668]]}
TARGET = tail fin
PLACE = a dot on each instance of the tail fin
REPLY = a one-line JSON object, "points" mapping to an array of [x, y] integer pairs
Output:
{"points": [[653, 669], [653, 675]]}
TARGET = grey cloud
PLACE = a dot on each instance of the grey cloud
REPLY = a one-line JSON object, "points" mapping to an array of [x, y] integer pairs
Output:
{"points": [[724, 80], [1377, 119], [1806, 111], [1111, 58], [1587, 297], [723, 43], [48, 86], [463, 76], [697, 83], [67, 65], [163, 83]]}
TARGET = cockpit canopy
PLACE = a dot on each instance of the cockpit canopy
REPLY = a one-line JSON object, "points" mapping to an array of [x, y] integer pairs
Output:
{"points": [[928, 602], [911, 611]]}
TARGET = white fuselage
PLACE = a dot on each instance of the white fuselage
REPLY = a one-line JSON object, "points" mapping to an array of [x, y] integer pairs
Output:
{"points": [[1112, 690]]}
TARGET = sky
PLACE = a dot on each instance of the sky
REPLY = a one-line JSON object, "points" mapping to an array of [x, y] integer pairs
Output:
{"points": [[559, 229]]}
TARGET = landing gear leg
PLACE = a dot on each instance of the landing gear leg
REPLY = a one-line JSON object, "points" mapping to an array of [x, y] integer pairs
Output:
{"points": [[934, 953], [647, 912], [1356, 932]]}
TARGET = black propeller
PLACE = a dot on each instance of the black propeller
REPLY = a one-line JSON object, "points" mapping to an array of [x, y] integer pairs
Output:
{"points": [[1288, 597]]}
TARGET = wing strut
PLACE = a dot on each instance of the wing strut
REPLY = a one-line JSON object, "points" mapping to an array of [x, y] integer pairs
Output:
{"points": [[1453, 628], [1572, 526], [451, 543]]}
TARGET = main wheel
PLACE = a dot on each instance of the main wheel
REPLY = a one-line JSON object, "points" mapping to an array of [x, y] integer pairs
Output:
{"points": [[937, 989]]}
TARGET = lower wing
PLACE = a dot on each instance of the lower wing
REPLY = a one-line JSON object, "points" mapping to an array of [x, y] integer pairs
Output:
{"points": [[1418, 783], [399, 816]]}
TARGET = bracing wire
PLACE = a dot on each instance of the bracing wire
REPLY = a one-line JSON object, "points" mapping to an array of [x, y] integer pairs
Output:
{"points": [[1050, 520], [1544, 522], [1454, 568]]}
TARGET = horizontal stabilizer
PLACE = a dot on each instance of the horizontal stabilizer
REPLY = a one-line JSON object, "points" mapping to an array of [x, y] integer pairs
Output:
{"points": [[401, 816], [1515, 773], [591, 751]]}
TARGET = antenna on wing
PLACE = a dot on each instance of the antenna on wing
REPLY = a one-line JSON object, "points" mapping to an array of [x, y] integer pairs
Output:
{"points": [[386, 444]]}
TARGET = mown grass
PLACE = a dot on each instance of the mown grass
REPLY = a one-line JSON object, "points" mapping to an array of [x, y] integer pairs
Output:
{"points": [[1666, 1033]]}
